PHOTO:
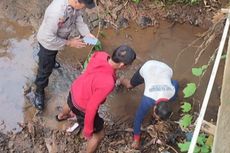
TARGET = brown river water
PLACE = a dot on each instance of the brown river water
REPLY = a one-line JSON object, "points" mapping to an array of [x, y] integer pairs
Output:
{"points": [[18, 50]]}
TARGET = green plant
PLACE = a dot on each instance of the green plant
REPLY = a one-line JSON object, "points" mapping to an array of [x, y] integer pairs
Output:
{"points": [[185, 146], [189, 90], [136, 1], [186, 107], [185, 121], [201, 146], [98, 46], [199, 71]]}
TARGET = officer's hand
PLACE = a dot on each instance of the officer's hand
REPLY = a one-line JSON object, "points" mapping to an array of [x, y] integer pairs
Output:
{"points": [[76, 43]]}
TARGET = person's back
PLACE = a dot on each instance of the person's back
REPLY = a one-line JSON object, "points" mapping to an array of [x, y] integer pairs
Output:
{"points": [[99, 76], [157, 77], [91, 89], [159, 89]]}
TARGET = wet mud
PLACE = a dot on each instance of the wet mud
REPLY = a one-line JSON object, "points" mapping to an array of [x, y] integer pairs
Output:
{"points": [[40, 132]]}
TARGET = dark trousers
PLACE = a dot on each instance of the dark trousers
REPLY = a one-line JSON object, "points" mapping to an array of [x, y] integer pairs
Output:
{"points": [[98, 121], [46, 63]]}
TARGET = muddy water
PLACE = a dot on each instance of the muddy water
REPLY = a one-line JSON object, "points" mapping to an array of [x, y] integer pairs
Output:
{"points": [[163, 43], [16, 68]]}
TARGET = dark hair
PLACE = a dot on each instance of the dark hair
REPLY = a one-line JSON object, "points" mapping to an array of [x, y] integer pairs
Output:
{"points": [[124, 54], [163, 110]]}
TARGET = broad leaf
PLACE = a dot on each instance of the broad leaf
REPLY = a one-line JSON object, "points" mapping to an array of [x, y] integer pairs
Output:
{"points": [[197, 149], [197, 71], [184, 146], [189, 90], [201, 139], [186, 107], [185, 121], [204, 149]]}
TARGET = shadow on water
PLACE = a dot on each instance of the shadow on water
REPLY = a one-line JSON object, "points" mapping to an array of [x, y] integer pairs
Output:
{"points": [[163, 43]]}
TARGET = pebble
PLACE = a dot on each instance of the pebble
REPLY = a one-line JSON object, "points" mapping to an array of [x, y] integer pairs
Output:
{"points": [[145, 21]]}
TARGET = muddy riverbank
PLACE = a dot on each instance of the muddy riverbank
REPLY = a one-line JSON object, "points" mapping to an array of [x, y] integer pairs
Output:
{"points": [[120, 14], [23, 129], [41, 132]]}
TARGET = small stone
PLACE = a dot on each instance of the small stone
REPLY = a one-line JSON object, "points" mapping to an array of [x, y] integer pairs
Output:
{"points": [[122, 23], [93, 17], [95, 23], [145, 21]]}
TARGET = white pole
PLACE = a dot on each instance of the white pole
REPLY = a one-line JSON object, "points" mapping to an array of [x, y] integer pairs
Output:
{"points": [[209, 88]]}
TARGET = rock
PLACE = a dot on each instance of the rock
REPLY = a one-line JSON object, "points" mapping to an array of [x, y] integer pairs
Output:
{"points": [[145, 21], [122, 23], [95, 23], [93, 17]]}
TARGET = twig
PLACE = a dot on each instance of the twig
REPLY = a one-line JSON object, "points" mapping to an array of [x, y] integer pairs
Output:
{"points": [[184, 49], [208, 37], [209, 63], [171, 148], [149, 143]]}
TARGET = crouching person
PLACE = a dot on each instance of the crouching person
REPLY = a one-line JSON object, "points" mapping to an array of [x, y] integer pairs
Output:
{"points": [[90, 90], [159, 90]]}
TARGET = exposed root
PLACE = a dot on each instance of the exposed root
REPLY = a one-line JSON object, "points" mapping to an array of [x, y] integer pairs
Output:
{"points": [[207, 37]]}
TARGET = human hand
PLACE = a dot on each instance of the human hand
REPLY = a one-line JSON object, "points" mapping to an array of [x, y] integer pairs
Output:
{"points": [[76, 43], [125, 82], [118, 81], [136, 144]]}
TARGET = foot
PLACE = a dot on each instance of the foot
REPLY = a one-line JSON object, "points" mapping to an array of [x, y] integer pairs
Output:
{"points": [[61, 117], [39, 101]]}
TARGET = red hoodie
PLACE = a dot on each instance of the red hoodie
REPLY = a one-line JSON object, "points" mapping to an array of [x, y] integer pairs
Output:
{"points": [[91, 88]]}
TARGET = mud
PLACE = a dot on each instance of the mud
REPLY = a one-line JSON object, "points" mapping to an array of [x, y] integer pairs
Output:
{"points": [[27, 130], [113, 13], [168, 39]]}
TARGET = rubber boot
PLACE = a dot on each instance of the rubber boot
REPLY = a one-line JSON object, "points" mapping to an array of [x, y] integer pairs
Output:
{"points": [[39, 100]]}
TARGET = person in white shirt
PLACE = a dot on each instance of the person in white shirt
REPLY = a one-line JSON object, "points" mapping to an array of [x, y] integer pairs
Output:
{"points": [[159, 90]]}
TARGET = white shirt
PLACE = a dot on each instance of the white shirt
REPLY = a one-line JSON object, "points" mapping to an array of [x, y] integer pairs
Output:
{"points": [[157, 77], [59, 21]]}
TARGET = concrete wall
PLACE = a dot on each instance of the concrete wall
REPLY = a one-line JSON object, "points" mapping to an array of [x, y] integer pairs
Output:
{"points": [[222, 134]]}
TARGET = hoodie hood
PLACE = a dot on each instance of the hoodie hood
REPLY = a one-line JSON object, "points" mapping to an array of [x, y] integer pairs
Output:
{"points": [[99, 64]]}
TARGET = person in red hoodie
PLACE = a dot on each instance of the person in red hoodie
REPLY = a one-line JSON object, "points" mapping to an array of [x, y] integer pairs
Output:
{"points": [[90, 90]]}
